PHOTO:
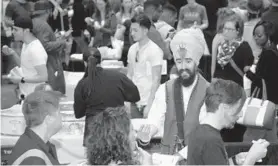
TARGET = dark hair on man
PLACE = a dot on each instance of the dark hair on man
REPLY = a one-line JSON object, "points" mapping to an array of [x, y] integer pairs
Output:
{"points": [[171, 8], [269, 29], [154, 3], [225, 92], [108, 138], [142, 20]]}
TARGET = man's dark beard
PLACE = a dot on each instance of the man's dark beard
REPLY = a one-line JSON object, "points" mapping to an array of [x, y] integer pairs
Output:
{"points": [[188, 81]]}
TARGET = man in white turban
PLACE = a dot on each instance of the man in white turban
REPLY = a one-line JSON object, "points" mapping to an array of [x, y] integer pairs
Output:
{"points": [[176, 115]]}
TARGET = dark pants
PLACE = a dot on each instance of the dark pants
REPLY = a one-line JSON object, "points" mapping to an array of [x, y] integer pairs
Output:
{"points": [[136, 112]]}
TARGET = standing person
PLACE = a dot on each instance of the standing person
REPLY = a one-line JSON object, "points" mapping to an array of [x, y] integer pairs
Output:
{"points": [[105, 23], [54, 48], [78, 26], [178, 114], [124, 16], [192, 15], [15, 9], [144, 65], [265, 36], [233, 56], [43, 120], [254, 8], [272, 14], [224, 100], [32, 60], [166, 22], [101, 88]]}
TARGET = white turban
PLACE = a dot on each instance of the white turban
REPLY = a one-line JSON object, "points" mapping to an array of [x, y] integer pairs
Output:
{"points": [[194, 42]]}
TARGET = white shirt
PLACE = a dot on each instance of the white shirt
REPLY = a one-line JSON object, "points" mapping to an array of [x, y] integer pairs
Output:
{"points": [[157, 112], [32, 54], [149, 55], [163, 28]]}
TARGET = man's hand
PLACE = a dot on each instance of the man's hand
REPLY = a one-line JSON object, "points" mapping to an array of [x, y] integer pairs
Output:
{"points": [[257, 151], [7, 50]]}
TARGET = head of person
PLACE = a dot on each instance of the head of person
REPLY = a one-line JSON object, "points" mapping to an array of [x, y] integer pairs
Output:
{"points": [[222, 15], [140, 25], [254, 8], [187, 54], [274, 2], [225, 99], [233, 28], [115, 139], [169, 14], [153, 9], [42, 10], [263, 32], [127, 5], [100, 6], [41, 111], [22, 28]]}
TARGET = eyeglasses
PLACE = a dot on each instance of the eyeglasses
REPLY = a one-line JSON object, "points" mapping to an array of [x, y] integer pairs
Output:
{"points": [[229, 29]]}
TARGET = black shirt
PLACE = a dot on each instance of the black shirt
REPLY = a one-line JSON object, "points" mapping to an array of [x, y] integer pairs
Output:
{"points": [[206, 147]]}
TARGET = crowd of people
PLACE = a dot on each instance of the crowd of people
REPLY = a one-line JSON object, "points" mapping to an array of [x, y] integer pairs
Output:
{"points": [[190, 68]]}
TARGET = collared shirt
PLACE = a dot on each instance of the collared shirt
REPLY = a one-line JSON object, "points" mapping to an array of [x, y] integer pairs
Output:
{"points": [[157, 112], [30, 140]]}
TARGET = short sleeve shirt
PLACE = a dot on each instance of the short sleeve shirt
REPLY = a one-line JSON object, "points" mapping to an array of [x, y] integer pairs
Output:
{"points": [[206, 147], [32, 55], [189, 15], [142, 60]]}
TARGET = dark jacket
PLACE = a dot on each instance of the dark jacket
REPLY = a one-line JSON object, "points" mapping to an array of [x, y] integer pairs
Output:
{"points": [[30, 140], [55, 50], [111, 89]]}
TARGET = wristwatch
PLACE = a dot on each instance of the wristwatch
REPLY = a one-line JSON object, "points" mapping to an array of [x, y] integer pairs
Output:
{"points": [[22, 80]]}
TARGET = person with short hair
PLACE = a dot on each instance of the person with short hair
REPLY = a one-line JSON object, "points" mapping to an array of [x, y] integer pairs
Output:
{"points": [[115, 143], [224, 100], [100, 88], [166, 22], [43, 120], [33, 58], [144, 65], [272, 14], [193, 15]]}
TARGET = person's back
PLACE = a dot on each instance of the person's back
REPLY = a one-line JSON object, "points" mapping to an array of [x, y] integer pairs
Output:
{"points": [[30, 141], [204, 142]]}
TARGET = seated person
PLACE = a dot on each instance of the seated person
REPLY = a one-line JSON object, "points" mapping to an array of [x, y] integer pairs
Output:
{"points": [[115, 142], [43, 120], [224, 100]]}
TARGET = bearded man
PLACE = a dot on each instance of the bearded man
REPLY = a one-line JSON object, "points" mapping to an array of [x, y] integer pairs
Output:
{"points": [[176, 109]]}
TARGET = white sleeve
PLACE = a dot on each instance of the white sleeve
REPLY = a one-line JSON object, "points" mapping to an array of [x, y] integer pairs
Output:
{"points": [[203, 113], [156, 57], [157, 112], [38, 54]]}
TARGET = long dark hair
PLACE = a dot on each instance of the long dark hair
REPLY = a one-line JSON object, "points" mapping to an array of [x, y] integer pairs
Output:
{"points": [[107, 10], [122, 9], [92, 57], [108, 140]]}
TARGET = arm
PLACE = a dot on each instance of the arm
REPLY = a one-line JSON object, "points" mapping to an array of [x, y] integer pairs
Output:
{"points": [[16, 58], [216, 41], [205, 22], [156, 77], [180, 22], [113, 26], [79, 105], [156, 116], [130, 90]]}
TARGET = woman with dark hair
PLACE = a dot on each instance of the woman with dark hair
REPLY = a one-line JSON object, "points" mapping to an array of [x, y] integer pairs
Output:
{"points": [[267, 38], [101, 88], [104, 23], [112, 140], [125, 12]]}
